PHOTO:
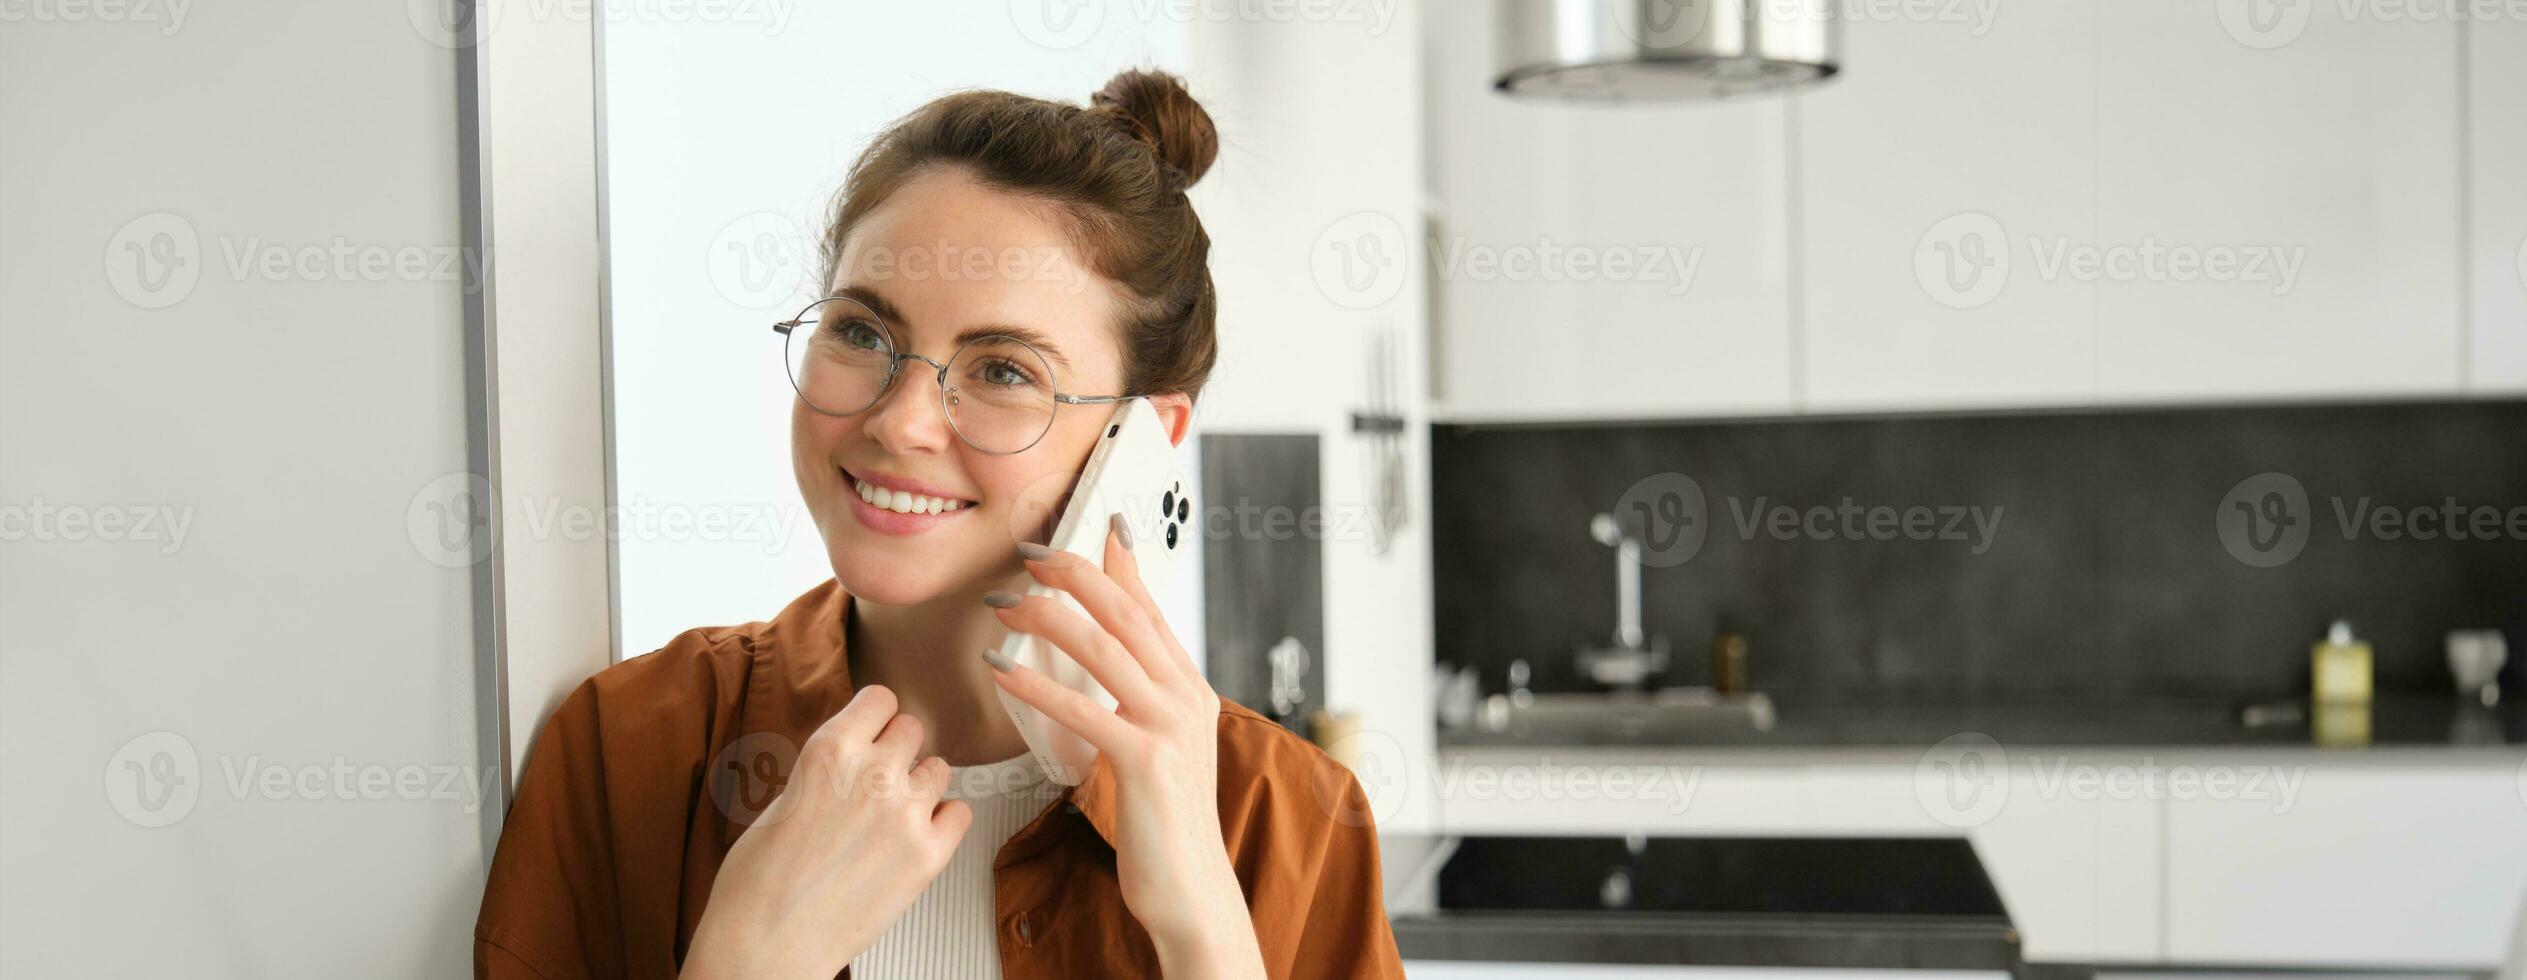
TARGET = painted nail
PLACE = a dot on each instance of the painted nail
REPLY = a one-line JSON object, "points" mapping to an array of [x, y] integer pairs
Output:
{"points": [[1032, 551], [998, 662], [1001, 600], [1122, 531]]}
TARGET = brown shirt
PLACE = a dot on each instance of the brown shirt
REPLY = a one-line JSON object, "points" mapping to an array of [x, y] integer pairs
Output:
{"points": [[651, 769]]}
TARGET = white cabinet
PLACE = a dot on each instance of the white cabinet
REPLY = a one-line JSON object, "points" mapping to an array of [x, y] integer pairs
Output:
{"points": [[2496, 204], [1594, 262], [2372, 863], [2084, 202], [1925, 171], [2076, 872], [2317, 158]]}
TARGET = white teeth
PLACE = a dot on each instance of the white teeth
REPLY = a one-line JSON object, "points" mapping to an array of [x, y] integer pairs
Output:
{"points": [[902, 502]]}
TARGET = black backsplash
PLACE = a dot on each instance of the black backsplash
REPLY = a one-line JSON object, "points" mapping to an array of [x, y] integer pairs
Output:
{"points": [[2105, 574]]}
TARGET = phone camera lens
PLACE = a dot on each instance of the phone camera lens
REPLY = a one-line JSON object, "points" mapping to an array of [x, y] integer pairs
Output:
{"points": [[1166, 504], [1184, 508], [1171, 535]]}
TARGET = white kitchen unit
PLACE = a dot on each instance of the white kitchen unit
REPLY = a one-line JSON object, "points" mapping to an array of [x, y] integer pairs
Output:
{"points": [[1924, 171], [2378, 863], [1596, 262], [2496, 204], [2332, 146], [2064, 204], [2069, 869], [2401, 858]]}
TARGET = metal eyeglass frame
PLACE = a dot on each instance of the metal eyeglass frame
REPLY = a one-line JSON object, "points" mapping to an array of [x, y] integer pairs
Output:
{"points": [[895, 365]]}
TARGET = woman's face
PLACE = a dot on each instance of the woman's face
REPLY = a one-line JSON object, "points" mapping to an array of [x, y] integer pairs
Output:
{"points": [[942, 259]]}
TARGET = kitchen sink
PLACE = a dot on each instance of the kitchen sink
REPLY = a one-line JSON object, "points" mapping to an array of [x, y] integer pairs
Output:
{"points": [[1679, 714]]}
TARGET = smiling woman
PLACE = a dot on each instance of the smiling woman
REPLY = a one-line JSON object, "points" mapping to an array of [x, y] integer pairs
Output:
{"points": [[775, 799]]}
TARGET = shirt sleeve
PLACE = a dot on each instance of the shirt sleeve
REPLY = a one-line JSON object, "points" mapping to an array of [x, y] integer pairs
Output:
{"points": [[1344, 930], [549, 910]]}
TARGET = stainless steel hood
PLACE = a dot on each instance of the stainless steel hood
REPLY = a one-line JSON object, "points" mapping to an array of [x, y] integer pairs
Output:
{"points": [[1664, 50]]}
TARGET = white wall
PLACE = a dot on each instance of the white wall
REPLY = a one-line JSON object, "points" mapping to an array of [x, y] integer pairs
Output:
{"points": [[1321, 133], [289, 420], [725, 142]]}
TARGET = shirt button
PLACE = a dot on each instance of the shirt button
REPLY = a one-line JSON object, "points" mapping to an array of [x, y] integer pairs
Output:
{"points": [[1026, 930], [1069, 807]]}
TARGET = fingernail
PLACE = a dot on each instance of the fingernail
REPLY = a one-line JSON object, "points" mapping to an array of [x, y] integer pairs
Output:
{"points": [[1032, 551], [998, 662], [1122, 531], [1001, 600]]}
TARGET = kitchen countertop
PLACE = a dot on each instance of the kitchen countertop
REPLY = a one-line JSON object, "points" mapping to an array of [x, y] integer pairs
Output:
{"points": [[2395, 720]]}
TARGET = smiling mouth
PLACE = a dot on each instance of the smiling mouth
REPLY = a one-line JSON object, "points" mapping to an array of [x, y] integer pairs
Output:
{"points": [[903, 501]]}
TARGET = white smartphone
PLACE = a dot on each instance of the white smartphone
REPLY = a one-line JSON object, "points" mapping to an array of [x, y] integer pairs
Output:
{"points": [[1135, 472]]}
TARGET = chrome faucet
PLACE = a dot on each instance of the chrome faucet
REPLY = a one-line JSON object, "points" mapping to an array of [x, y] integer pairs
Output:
{"points": [[1634, 656]]}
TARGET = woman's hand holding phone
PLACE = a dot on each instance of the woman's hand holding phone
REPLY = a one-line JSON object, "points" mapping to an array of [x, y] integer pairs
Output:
{"points": [[1161, 740], [853, 839]]}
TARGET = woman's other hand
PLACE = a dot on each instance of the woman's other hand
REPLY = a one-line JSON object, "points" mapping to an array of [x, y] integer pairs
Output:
{"points": [[853, 839]]}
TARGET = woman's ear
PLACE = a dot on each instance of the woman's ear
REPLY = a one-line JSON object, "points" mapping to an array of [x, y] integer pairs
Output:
{"points": [[1177, 411]]}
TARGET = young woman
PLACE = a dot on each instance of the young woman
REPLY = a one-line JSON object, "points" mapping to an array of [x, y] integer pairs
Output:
{"points": [[840, 786]]}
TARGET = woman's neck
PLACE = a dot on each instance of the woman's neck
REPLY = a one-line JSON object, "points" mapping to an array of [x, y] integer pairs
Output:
{"points": [[930, 656]]}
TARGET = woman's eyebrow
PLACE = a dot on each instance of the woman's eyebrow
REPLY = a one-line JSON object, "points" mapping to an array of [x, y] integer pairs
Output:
{"points": [[1042, 344], [886, 311]]}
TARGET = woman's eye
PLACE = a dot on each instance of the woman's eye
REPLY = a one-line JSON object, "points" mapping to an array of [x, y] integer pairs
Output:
{"points": [[860, 334], [1003, 373]]}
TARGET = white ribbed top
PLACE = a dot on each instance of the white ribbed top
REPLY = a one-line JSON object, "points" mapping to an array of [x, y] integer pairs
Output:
{"points": [[948, 931]]}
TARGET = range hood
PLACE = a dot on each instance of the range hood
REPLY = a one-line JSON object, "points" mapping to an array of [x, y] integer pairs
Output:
{"points": [[1664, 50]]}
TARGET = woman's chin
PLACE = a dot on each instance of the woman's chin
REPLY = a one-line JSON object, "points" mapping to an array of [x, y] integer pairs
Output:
{"points": [[889, 581]]}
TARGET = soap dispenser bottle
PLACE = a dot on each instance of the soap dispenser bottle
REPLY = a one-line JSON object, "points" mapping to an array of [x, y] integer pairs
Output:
{"points": [[2339, 667]]}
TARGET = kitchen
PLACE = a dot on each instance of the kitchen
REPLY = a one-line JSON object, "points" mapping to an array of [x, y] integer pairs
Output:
{"points": [[1890, 488], [1938, 447]]}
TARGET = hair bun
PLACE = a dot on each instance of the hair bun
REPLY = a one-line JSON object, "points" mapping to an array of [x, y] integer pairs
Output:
{"points": [[1157, 110]]}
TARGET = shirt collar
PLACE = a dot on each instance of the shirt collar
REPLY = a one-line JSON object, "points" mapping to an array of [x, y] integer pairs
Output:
{"points": [[810, 679]]}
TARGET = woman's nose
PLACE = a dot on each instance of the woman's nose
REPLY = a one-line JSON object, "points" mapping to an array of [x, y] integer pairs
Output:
{"points": [[908, 417]]}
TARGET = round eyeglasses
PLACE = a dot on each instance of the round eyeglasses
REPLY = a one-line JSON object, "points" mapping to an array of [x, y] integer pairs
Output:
{"points": [[998, 391]]}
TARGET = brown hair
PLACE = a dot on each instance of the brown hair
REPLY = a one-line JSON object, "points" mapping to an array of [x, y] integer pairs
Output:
{"points": [[1116, 169]]}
